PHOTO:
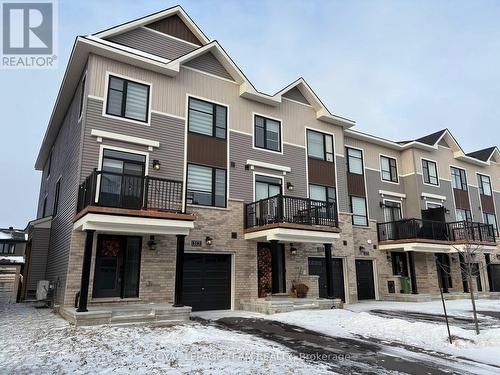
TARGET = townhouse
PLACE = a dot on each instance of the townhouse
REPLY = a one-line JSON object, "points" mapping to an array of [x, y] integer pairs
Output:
{"points": [[169, 179]]}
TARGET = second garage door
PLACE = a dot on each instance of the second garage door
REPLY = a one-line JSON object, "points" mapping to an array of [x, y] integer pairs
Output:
{"points": [[364, 279], [207, 281]]}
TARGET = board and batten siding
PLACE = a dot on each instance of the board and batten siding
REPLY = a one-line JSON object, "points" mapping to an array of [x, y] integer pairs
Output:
{"points": [[150, 41], [241, 180], [169, 96], [168, 131]]}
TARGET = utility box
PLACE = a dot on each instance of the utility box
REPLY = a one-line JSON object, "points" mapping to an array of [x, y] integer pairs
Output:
{"points": [[405, 285]]}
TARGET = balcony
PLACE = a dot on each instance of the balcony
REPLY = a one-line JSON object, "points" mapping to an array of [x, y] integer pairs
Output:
{"points": [[286, 218], [149, 201], [435, 232]]}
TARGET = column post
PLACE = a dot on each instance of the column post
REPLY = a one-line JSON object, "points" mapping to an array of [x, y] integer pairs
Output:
{"points": [[413, 274], [329, 270], [179, 271], [84, 281]]}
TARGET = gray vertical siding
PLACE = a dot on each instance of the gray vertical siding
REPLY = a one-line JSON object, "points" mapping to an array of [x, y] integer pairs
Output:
{"points": [[40, 238], [296, 95], [241, 180], [169, 131], [374, 184], [152, 42], [208, 63]]}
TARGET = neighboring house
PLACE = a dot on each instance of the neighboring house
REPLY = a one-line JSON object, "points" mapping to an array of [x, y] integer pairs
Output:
{"points": [[12, 249], [169, 178]]}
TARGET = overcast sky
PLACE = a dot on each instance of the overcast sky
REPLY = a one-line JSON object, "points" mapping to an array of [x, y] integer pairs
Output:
{"points": [[400, 69]]}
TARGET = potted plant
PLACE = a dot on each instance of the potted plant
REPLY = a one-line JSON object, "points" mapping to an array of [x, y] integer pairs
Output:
{"points": [[300, 290]]}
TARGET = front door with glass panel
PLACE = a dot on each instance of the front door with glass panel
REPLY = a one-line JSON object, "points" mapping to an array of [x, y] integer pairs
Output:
{"points": [[117, 265], [122, 179], [267, 187]]}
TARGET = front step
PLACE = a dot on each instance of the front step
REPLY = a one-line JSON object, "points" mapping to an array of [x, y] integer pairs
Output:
{"points": [[133, 318]]}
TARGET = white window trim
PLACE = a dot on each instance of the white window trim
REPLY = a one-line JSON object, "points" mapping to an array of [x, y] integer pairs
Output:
{"points": [[260, 164], [468, 190], [100, 134], [105, 103], [435, 203], [353, 214], [188, 95], [130, 151], [437, 172], [253, 133], [282, 178], [397, 168], [400, 202], [392, 194], [424, 195], [478, 188]]}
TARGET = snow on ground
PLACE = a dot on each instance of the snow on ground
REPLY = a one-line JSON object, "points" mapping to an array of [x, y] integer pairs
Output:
{"points": [[36, 340], [356, 320]]}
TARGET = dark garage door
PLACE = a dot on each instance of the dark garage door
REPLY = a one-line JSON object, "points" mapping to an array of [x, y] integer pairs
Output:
{"points": [[317, 266], [494, 270], [207, 281], [364, 279]]}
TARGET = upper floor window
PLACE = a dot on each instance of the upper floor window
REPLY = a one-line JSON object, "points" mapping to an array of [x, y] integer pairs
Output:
{"points": [[354, 160], [490, 219], [44, 206], [206, 186], [49, 163], [359, 211], [322, 193], [7, 248], [82, 96], [207, 118], [56, 198], [389, 169], [429, 171], [127, 99], [458, 179], [484, 184], [319, 145], [463, 214], [267, 186], [267, 133]]}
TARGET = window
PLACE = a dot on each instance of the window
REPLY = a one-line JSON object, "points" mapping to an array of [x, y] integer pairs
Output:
{"points": [[431, 205], [354, 161], [484, 184], [458, 179], [267, 133], [389, 169], [82, 96], [429, 170], [322, 193], [490, 219], [7, 248], [392, 211], [463, 214], [207, 118], [44, 206], [49, 164], [127, 99], [206, 186], [56, 198], [399, 264], [358, 209], [319, 145], [266, 186]]}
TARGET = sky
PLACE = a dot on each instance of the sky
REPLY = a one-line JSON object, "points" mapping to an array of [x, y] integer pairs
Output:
{"points": [[400, 69]]}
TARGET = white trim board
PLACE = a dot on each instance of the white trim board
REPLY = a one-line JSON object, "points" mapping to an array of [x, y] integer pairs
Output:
{"points": [[392, 194], [125, 138], [260, 164]]}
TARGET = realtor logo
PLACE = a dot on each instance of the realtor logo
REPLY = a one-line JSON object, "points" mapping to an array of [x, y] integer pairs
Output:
{"points": [[28, 34]]}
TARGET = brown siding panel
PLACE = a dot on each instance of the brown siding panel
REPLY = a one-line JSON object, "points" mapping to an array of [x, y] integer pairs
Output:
{"points": [[207, 150], [487, 204], [176, 27], [321, 172], [356, 184], [461, 199]]}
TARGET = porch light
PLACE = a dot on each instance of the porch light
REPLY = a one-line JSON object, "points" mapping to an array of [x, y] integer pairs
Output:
{"points": [[152, 243], [289, 186], [156, 165], [293, 250], [208, 241]]}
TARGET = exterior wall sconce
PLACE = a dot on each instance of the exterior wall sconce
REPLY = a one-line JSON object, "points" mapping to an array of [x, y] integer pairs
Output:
{"points": [[446, 210], [381, 204], [389, 256], [289, 186], [152, 243], [293, 249], [156, 165], [208, 241], [498, 256]]}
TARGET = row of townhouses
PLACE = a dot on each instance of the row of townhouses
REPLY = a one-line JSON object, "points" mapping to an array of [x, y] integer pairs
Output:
{"points": [[168, 178]]}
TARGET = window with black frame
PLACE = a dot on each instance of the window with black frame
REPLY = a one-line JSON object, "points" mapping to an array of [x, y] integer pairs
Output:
{"points": [[267, 133], [319, 145], [354, 160], [7, 248], [484, 184], [429, 171], [359, 211], [207, 118], [127, 99], [206, 186], [388, 169], [458, 179], [325, 198]]}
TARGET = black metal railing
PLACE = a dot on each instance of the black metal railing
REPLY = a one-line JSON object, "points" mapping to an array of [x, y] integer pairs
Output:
{"points": [[294, 210], [118, 190], [406, 229]]}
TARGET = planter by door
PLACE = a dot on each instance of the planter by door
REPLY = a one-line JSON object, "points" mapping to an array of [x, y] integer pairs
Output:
{"points": [[207, 281], [364, 279], [270, 269], [317, 267], [117, 267]]}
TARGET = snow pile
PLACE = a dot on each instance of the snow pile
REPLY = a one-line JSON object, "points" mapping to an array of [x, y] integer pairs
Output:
{"points": [[37, 341]]}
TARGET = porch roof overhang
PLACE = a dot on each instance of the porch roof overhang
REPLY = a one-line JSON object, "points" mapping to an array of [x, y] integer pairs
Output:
{"points": [[434, 247], [284, 234], [132, 224]]}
